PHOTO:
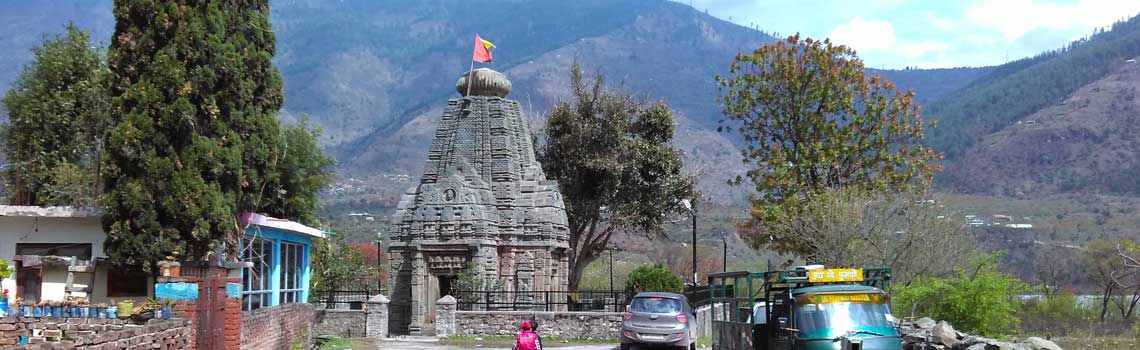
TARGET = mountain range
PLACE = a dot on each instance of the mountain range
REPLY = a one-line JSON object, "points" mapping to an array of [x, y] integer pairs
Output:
{"points": [[375, 76]]}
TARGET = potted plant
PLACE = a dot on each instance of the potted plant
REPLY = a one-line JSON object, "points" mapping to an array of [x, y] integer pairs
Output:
{"points": [[57, 309], [4, 309], [39, 310], [80, 309], [6, 271], [112, 310], [45, 308], [145, 311], [170, 267], [97, 310], [25, 307], [86, 308], [125, 308], [168, 308]]}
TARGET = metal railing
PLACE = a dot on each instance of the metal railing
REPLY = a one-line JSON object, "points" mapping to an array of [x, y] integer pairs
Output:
{"points": [[545, 300], [342, 299], [698, 296]]}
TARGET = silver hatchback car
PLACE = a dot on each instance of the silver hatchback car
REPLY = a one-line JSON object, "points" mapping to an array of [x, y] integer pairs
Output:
{"points": [[659, 320]]}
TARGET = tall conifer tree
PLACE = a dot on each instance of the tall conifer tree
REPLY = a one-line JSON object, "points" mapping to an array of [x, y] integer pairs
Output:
{"points": [[195, 139], [57, 109]]}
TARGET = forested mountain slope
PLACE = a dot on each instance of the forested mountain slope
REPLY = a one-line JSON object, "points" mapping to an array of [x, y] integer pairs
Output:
{"points": [[1020, 88], [1086, 142]]}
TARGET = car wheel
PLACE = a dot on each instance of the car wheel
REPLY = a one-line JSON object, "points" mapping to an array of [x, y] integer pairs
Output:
{"points": [[693, 346], [626, 347]]}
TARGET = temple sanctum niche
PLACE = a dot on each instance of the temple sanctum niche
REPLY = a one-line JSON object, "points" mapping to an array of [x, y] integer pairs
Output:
{"points": [[482, 205]]}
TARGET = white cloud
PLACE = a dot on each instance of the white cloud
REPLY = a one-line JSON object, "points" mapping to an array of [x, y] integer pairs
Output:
{"points": [[918, 49], [1015, 18], [940, 23], [865, 35]]}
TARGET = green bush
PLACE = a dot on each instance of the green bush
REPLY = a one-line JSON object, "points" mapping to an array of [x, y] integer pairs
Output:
{"points": [[979, 300], [653, 278], [1054, 316]]}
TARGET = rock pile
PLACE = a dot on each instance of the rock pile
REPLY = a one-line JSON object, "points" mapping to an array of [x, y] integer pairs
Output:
{"points": [[926, 334]]}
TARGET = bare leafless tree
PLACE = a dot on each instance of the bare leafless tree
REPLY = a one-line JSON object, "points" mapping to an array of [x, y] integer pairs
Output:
{"points": [[1127, 278], [851, 227]]}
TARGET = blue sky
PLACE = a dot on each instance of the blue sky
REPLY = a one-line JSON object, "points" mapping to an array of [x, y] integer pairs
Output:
{"points": [[930, 33]]}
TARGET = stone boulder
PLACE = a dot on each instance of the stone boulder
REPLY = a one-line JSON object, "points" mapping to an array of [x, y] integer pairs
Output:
{"points": [[927, 334], [925, 323], [1036, 343], [944, 334]]}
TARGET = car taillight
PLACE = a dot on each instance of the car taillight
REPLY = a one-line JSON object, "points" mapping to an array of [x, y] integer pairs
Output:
{"points": [[682, 318], [628, 334], [628, 316]]}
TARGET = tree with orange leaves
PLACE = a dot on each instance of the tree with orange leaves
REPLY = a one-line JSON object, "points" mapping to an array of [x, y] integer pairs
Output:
{"points": [[814, 120]]}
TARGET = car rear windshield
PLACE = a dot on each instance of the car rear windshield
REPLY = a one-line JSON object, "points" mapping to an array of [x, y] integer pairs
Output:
{"points": [[655, 305]]}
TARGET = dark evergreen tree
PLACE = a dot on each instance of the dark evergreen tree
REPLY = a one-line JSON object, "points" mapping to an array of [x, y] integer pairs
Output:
{"points": [[56, 108], [195, 140], [613, 161], [303, 169]]}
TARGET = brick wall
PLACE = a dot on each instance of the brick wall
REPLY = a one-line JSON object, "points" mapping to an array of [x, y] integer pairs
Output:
{"points": [[90, 334], [277, 327]]}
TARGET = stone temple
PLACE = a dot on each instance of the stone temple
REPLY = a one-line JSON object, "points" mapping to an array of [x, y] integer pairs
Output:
{"points": [[483, 203]]}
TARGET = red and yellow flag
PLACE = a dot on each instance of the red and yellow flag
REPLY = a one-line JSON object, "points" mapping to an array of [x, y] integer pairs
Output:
{"points": [[482, 50]]}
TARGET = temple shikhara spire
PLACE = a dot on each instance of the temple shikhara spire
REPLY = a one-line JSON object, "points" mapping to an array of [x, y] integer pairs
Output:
{"points": [[482, 205]]}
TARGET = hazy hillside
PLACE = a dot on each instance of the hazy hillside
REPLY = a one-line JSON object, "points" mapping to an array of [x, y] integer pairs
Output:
{"points": [[1020, 88], [23, 25], [356, 66], [1084, 142], [668, 51], [373, 74]]}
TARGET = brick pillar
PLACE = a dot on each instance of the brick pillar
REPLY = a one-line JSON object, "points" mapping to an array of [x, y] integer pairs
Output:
{"points": [[189, 291], [233, 313], [189, 311], [184, 290], [376, 317], [445, 317]]}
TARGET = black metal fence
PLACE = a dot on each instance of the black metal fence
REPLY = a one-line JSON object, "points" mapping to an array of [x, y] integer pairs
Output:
{"points": [[342, 299], [586, 300], [698, 296]]}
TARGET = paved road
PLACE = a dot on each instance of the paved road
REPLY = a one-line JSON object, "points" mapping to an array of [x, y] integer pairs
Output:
{"points": [[415, 343]]}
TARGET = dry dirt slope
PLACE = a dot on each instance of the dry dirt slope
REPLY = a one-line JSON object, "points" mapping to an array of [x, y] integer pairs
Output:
{"points": [[1090, 141]]}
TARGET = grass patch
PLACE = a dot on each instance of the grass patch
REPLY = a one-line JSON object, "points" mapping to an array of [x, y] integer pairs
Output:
{"points": [[1098, 343], [347, 344], [704, 342]]}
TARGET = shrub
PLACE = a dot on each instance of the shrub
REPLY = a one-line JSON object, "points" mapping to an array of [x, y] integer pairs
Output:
{"points": [[1053, 316], [978, 300], [653, 278], [339, 266]]}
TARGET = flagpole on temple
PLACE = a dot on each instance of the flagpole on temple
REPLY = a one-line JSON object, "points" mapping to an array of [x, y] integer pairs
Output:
{"points": [[470, 74]]}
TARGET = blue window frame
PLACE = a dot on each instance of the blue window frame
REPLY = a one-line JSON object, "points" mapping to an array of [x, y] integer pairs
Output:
{"points": [[279, 271], [292, 263], [256, 289]]}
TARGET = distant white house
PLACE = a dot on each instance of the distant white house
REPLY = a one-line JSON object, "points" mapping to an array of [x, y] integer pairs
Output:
{"points": [[44, 243], [1020, 226]]}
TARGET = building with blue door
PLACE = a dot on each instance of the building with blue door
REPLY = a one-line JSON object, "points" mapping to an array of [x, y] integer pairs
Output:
{"points": [[279, 253]]}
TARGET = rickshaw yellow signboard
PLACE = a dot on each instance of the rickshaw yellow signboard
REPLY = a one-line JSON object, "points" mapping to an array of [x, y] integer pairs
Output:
{"points": [[835, 275]]}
